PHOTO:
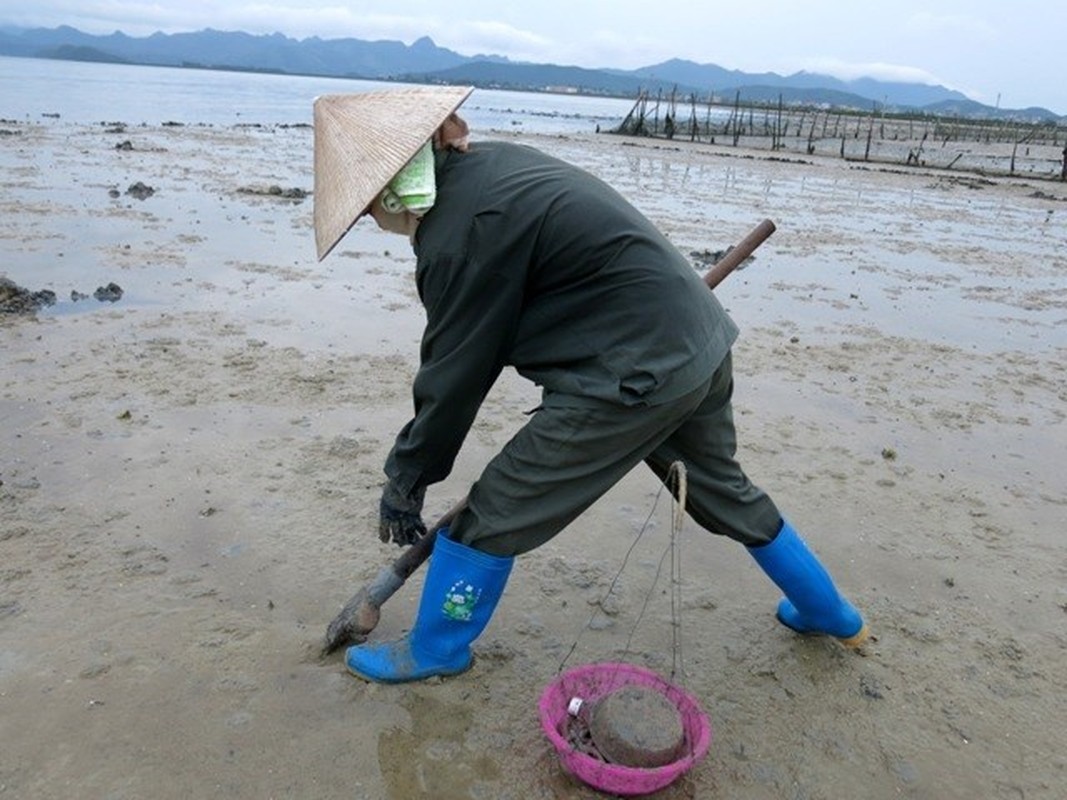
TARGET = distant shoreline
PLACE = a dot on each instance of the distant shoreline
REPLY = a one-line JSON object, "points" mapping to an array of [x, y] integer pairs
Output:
{"points": [[425, 62]]}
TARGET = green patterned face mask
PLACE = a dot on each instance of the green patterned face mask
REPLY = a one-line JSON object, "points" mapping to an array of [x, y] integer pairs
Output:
{"points": [[415, 187]]}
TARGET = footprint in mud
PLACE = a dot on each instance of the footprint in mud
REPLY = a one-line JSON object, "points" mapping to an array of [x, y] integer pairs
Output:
{"points": [[992, 536], [143, 560], [430, 758]]}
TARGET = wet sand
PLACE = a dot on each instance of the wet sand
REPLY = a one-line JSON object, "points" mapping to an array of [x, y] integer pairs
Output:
{"points": [[190, 478]]}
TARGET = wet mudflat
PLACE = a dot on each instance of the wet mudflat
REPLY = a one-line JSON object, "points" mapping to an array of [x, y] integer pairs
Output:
{"points": [[190, 477]]}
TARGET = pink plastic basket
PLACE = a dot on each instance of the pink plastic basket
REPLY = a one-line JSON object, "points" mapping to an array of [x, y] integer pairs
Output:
{"points": [[592, 682]]}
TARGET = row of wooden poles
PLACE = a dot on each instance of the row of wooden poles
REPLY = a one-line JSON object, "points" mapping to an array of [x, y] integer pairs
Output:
{"points": [[782, 126]]}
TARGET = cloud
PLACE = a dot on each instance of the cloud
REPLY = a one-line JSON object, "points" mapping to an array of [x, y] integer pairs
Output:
{"points": [[896, 73], [610, 48], [469, 37], [475, 34], [848, 71], [497, 37]]}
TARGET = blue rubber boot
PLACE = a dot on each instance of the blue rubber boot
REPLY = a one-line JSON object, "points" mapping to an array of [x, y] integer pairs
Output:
{"points": [[462, 589], [812, 604]]}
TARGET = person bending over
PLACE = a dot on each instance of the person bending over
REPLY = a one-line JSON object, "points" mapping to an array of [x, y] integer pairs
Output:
{"points": [[526, 261]]}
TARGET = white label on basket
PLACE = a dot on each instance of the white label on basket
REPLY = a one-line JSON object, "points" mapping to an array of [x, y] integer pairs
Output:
{"points": [[574, 706]]}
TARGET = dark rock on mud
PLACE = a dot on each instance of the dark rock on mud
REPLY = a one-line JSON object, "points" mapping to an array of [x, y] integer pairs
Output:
{"points": [[108, 294], [15, 299], [140, 191], [707, 258], [294, 193]]}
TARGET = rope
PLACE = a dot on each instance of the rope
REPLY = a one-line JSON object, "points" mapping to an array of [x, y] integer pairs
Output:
{"points": [[677, 480], [681, 488]]}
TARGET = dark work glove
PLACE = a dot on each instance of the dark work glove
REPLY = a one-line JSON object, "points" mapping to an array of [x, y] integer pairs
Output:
{"points": [[400, 516]]}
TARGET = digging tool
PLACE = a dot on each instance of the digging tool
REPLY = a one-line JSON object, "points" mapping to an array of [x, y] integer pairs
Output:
{"points": [[361, 614]]}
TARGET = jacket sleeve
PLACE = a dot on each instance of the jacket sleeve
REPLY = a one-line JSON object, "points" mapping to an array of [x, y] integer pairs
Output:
{"points": [[473, 299]]}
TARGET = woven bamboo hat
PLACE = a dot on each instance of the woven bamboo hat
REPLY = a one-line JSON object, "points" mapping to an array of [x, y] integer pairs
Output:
{"points": [[362, 141]]}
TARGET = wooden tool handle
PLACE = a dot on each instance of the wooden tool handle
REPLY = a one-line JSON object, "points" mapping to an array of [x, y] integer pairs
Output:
{"points": [[738, 253]]}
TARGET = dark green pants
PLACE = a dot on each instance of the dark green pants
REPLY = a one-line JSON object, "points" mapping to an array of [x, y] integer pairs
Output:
{"points": [[573, 450]]}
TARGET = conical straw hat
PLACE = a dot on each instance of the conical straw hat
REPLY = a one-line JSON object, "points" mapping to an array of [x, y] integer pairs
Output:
{"points": [[362, 141]]}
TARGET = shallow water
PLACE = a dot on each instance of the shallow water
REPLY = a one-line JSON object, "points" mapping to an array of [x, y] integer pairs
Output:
{"points": [[901, 252], [915, 263], [89, 93]]}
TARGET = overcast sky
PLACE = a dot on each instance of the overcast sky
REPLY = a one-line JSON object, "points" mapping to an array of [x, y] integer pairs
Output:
{"points": [[987, 49]]}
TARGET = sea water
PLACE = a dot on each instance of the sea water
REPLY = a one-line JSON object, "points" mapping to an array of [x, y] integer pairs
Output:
{"points": [[82, 92]]}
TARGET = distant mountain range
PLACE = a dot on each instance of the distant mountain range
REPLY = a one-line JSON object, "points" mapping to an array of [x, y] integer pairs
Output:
{"points": [[425, 62]]}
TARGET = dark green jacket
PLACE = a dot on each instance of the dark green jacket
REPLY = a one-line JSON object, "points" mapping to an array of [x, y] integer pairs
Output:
{"points": [[530, 262]]}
